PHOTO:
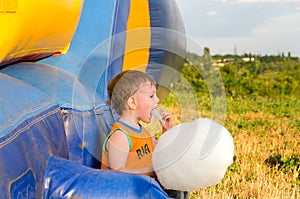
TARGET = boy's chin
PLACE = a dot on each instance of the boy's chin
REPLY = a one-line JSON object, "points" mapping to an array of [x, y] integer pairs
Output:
{"points": [[149, 120], [146, 121]]}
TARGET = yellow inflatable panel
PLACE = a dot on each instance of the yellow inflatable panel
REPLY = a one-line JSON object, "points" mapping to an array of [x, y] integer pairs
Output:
{"points": [[33, 29], [138, 36]]}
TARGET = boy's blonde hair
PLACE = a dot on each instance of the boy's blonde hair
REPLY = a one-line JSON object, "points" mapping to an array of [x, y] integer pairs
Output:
{"points": [[126, 86]]}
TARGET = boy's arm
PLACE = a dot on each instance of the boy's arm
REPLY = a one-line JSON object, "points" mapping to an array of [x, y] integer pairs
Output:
{"points": [[118, 147]]}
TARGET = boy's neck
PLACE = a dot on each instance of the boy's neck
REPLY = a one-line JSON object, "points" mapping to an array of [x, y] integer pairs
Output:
{"points": [[130, 121]]}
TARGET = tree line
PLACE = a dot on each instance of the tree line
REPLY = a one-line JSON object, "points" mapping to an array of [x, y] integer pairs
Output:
{"points": [[268, 76]]}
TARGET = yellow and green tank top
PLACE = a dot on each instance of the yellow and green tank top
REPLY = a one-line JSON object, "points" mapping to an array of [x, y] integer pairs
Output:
{"points": [[140, 146]]}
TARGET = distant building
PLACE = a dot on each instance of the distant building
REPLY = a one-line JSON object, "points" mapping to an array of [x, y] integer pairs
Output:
{"points": [[235, 50], [218, 63], [248, 59]]}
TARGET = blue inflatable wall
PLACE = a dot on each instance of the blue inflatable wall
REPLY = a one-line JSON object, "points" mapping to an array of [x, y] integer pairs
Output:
{"points": [[31, 129], [77, 103]]}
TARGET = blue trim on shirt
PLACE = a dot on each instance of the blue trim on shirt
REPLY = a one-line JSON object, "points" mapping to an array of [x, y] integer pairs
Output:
{"points": [[131, 128]]}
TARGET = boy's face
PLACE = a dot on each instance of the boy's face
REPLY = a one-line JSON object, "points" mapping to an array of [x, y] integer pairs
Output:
{"points": [[146, 100]]}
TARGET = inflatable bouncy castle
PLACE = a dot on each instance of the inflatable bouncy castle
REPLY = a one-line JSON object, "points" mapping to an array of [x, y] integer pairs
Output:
{"points": [[56, 58]]}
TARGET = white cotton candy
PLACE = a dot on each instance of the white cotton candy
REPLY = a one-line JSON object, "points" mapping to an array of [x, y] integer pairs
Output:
{"points": [[193, 155], [157, 115]]}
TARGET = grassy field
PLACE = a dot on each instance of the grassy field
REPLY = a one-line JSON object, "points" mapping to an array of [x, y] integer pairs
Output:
{"points": [[267, 147], [261, 110]]}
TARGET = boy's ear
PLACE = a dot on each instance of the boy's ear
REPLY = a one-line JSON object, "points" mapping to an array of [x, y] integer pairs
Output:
{"points": [[132, 103]]}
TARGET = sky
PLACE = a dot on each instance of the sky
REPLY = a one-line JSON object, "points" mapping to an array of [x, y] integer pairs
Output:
{"points": [[265, 27]]}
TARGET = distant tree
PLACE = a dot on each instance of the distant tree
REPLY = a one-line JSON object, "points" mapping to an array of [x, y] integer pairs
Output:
{"points": [[207, 61], [229, 74]]}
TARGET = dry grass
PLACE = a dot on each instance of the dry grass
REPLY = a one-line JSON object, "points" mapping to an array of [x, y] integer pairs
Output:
{"points": [[261, 128]]}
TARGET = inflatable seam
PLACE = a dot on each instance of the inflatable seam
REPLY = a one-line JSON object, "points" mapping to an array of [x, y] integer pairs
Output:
{"points": [[35, 121]]}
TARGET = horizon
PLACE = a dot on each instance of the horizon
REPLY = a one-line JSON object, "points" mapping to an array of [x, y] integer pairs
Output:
{"points": [[242, 54]]}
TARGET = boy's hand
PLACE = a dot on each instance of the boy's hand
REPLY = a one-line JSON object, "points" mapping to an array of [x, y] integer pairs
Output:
{"points": [[167, 122]]}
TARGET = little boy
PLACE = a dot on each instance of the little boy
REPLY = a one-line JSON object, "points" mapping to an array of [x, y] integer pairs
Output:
{"points": [[129, 146]]}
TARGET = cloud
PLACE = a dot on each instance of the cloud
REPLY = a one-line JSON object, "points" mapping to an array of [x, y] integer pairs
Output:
{"points": [[260, 26], [215, 19], [274, 36], [211, 13]]}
